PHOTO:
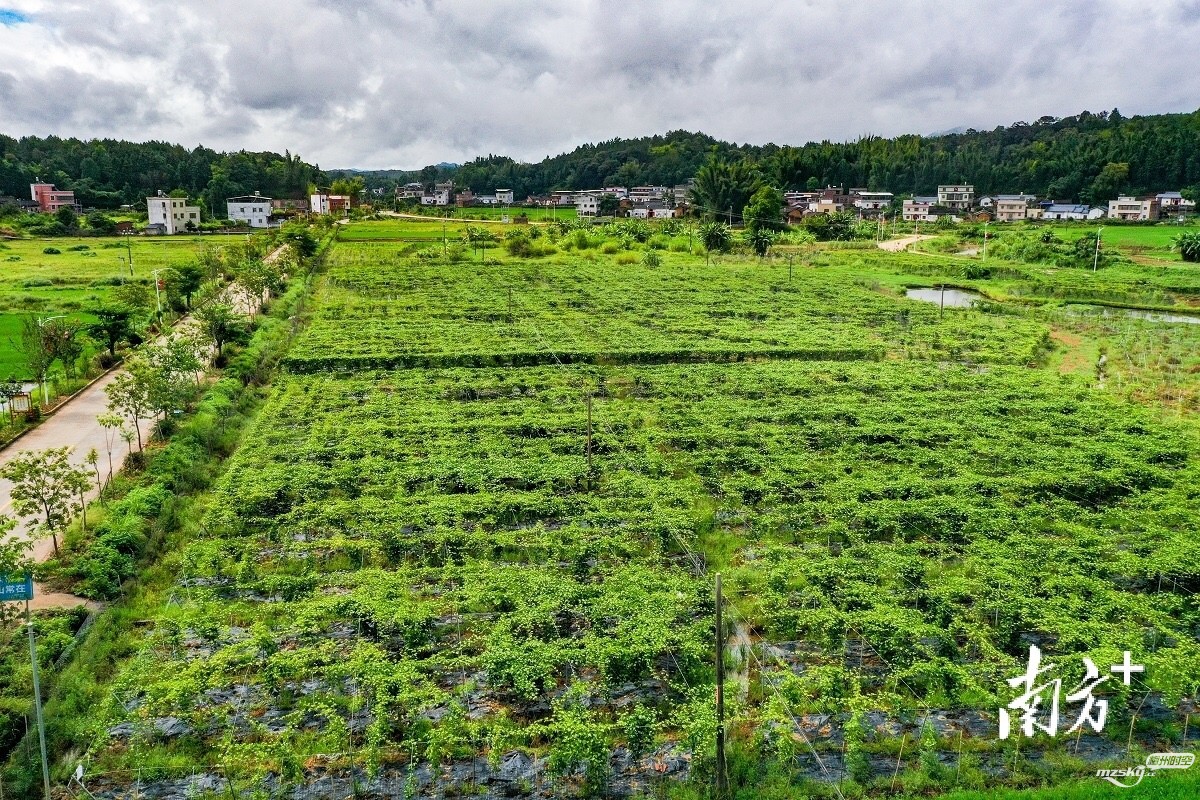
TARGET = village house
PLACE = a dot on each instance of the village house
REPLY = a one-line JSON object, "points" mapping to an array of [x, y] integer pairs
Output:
{"points": [[410, 191], [1133, 208], [504, 197], [465, 198], [1013, 207], [919, 209], [587, 205], [254, 210], [171, 215], [644, 194], [329, 203], [50, 200], [442, 195], [1070, 211], [868, 202], [1174, 204], [288, 205], [957, 196]]}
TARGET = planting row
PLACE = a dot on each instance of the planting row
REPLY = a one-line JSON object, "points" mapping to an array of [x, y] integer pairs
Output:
{"points": [[421, 564], [382, 310]]}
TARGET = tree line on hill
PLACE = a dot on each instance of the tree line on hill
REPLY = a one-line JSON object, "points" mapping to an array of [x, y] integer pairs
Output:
{"points": [[1089, 157], [107, 173]]}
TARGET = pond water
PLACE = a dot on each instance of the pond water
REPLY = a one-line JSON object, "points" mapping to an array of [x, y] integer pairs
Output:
{"points": [[1136, 313], [951, 298]]}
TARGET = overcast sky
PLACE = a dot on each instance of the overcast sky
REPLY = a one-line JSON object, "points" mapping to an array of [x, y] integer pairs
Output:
{"points": [[385, 83]]}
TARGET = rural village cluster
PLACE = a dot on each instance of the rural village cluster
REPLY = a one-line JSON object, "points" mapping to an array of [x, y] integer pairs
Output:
{"points": [[174, 215]]}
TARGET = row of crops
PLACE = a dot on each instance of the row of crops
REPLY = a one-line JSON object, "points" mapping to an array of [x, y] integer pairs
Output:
{"points": [[374, 315], [423, 572]]}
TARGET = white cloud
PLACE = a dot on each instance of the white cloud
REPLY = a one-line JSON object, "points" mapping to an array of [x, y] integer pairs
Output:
{"points": [[375, 83]]}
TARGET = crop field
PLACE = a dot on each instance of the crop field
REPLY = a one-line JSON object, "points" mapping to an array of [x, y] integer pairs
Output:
{"points": [[468, 544], [81, 275], [412, 230], [515, 313]]}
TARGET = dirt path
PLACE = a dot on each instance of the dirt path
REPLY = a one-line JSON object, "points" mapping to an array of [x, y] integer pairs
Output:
{"points": [[897, 245], [74, 425]]}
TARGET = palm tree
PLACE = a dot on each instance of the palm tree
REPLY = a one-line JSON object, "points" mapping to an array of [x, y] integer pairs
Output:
{"points": [[716, 236], [723, 187]]}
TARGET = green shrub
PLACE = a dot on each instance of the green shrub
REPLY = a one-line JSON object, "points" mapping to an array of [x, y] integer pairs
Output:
{"points": [[51, 251]]}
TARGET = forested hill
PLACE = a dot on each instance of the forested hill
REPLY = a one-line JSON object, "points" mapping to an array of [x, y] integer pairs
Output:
{"points": [[1088, 157], [107, 173]]}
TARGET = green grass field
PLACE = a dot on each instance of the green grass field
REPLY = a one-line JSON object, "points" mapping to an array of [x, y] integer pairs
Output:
{"points": [[82, 275], [1139, 242]]}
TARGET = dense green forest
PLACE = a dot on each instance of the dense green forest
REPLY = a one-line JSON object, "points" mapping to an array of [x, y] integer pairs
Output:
{"points": [[1089, 157], [107, 173]]}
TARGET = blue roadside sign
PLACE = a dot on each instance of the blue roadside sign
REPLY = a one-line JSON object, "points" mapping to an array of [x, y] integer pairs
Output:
{"points": [[16, 587]]}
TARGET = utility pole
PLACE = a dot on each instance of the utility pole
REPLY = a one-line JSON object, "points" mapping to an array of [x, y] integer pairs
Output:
{"points": [[129, 252], [942, 300], [1096, 258], [791, 258], [157, 296], [37, 704], [444, 237], [985, 238], [722, 779]]}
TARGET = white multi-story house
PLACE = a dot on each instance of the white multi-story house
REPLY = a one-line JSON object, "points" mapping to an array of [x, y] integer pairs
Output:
{"points": [[252, 209], [586, 205], [871, 201], [644, 194], [619, 192], [959, 196], [172, 215], [919, 209], [504, 197], [443, 195], [1133, 208]]}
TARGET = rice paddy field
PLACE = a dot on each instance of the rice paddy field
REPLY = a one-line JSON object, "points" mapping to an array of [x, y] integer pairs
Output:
{"points": [[468, 542]]}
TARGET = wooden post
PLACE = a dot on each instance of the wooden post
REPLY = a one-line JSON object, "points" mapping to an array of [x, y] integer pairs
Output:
{"points": [[722, 778]]}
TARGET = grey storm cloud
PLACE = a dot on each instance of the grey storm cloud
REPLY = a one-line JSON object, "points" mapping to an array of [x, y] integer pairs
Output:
{"points": [[380, 83]]}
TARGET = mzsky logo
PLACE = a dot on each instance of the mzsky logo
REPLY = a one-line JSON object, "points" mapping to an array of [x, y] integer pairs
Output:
{"points": [[1131, 776]]}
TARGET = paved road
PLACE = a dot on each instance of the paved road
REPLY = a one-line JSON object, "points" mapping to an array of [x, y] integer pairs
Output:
{"points": [[74, 425], [896, 245]]}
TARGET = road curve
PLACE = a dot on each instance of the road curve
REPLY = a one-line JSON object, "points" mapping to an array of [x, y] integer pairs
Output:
{"points": [[897, 245]]}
